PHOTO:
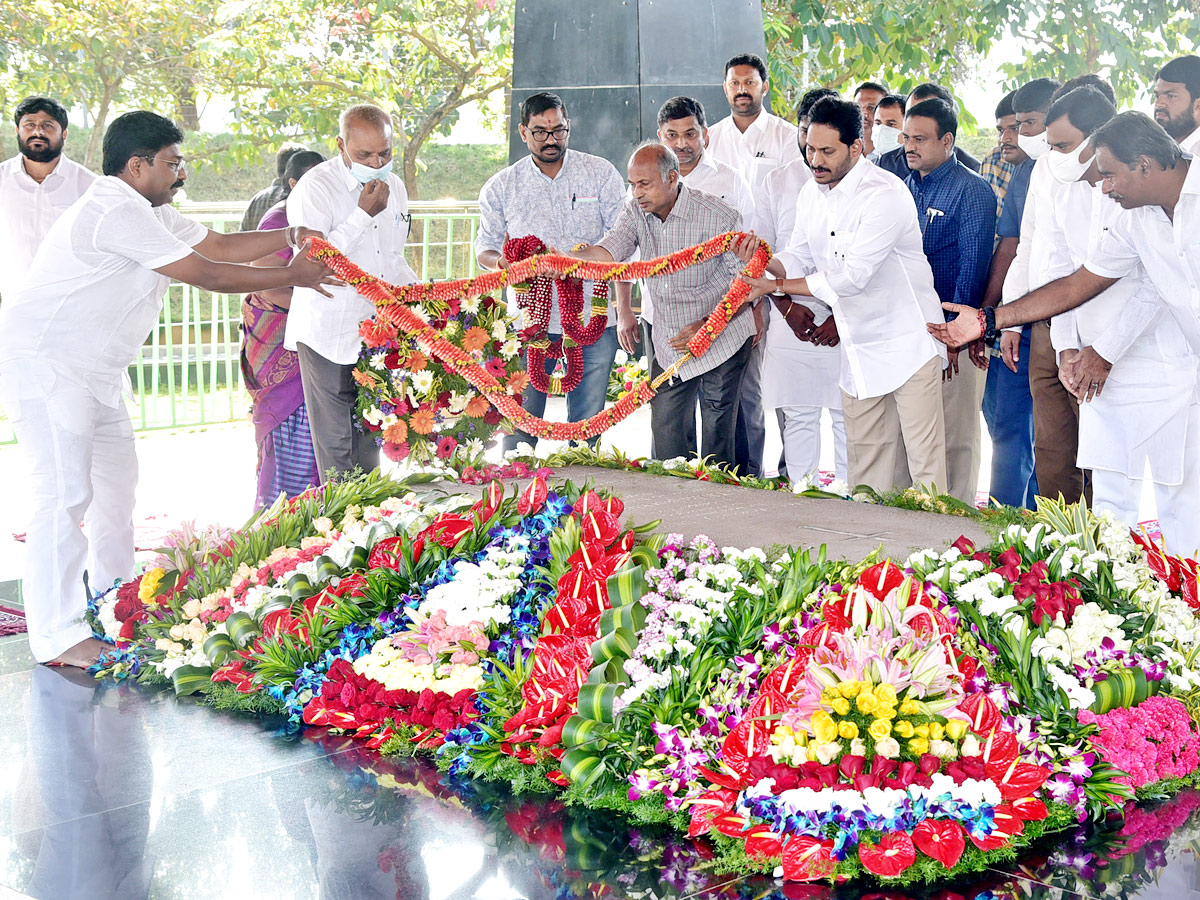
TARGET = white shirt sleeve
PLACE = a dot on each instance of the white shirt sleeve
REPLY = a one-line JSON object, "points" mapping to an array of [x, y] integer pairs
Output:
{"points": [[131, 230], [1138, 313], [743, 200], [491, 218]]}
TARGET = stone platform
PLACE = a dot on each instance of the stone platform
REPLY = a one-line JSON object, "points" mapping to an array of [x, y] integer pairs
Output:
{"points": [[745, 517]]}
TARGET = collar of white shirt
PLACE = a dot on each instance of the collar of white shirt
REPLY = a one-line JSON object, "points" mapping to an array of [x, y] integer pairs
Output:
{"points": [[57, 173], [852, 179], [1191, 143], [708, 161]]}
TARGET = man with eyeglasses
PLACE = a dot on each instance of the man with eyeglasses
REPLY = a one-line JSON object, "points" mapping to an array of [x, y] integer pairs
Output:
{"points": [[36, 186], [564, 197], [67, 337]]}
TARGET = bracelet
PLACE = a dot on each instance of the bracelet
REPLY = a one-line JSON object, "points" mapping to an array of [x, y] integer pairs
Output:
{"points": [[787, 312], [289, 234], [987, 323]]}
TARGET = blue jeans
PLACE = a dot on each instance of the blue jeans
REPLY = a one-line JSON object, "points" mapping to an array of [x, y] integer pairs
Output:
{"points": [[587, 399], [1008, 411]]}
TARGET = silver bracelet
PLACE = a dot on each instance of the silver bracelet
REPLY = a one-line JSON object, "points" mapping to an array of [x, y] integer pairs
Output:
{"points": [[290, 235]]}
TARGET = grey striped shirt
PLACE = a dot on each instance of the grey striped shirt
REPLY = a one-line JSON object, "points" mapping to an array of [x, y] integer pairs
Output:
{"points": [[690, 294]]}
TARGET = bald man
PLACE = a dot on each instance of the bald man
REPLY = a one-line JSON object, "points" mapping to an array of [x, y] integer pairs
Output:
{"points": [[363, 207]]}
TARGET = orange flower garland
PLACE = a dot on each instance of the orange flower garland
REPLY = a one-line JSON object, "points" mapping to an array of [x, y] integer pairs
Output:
{"points": [[392, 312]]}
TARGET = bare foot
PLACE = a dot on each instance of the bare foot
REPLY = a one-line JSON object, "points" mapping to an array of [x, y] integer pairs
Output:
{"points": [[82, 655]]}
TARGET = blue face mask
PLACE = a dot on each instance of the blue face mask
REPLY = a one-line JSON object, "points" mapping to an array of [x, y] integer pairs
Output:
{"points": [[365, 174]]}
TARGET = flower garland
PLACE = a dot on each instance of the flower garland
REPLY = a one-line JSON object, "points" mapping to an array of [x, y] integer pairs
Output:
{"points": [[535, 302], [393, 313]]}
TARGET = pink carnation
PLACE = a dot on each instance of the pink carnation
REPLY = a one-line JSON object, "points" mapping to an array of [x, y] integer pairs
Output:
{"points": [[1152, 741]]}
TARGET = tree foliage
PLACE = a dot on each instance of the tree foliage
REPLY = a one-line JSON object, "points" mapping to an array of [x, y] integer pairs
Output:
{"points": [[839, 43]]}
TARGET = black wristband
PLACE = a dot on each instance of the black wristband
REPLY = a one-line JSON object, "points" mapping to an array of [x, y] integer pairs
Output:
{"points": [[989, 317]]}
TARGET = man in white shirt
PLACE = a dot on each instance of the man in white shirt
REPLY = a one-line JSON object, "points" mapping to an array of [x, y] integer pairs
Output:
{"points": [[564, 197], [801, 359], [1141, 417], [857, 247], [36, 186], [67, 337], [1177, 101], [754, 142], [358, 201], [1158, 188]]}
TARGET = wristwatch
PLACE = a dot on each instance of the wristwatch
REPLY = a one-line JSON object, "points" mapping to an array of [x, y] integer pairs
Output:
{"points": [[779, 291]]}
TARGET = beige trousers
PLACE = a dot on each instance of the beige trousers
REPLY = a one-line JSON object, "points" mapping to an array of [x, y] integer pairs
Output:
{"points": [[913, 412], [962, 399]]}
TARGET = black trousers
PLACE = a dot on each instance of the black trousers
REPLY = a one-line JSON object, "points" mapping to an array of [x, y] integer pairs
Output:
{"points": [[329, 394], [672, 411]]}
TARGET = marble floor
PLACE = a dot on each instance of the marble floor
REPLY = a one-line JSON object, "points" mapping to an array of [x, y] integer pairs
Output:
{"points": [[116, 791]]}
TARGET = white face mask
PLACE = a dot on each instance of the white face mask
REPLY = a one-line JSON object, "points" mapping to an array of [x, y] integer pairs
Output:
{"points": [[1067, 168], [365, 174], [885, 138], [1035, 147]]}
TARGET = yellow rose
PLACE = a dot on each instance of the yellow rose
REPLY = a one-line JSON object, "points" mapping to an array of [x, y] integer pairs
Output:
{"points": [[847, 730], [866, 702], [841, 706], [922, 729], [880, 729], [903, 728], [886, 694], [885, 712], [956, 728], [910, 707], [936, 731], [919, 745], [823, 727], [851, 689]]}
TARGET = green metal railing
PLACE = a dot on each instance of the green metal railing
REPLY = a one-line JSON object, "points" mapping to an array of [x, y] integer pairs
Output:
{"points": [[187, 372]]}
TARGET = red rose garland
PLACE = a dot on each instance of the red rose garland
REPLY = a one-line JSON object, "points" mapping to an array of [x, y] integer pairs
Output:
{"points": [[392, 313], [536, 303]]}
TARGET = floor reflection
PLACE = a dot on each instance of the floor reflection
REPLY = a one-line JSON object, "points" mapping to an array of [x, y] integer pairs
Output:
{"points": [[121, 792]]}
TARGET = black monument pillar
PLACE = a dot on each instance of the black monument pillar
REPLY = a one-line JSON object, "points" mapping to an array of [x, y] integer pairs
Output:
{"points": [[614, 63]]}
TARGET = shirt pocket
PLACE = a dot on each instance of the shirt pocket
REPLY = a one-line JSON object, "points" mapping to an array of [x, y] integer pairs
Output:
{"points": [[940, 234]]}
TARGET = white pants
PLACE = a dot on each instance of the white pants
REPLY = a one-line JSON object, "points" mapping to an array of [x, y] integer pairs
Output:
{"points": [[800, 428], [1178, 509], [80, 462]]}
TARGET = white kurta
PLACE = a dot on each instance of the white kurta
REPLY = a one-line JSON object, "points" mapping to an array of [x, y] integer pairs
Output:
{"points": [[28, 209], [326, 200], [1142, 413], [66, 339], [795, 372], [767, 143], [859, 244]]}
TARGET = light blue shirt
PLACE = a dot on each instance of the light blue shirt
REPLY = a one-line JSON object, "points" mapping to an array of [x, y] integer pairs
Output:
{"points": [[579, 205]]}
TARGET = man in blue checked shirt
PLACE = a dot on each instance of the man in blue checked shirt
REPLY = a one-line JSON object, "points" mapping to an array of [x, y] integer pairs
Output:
{"points": [[957, 212]]}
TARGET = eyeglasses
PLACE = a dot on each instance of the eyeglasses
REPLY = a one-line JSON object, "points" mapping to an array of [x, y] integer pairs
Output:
{"points": [[559, 134], [173, 164]]}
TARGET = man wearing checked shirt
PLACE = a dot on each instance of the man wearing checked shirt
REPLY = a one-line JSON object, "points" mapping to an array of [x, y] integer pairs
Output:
{"points": [[957, 212], [564, 197]]}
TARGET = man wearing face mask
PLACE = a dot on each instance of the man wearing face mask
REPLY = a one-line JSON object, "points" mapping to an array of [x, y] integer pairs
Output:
{"points": [[957, 212], [1135, 411], [36, 186], [889, 123], [362, 206], [1177, 101]]}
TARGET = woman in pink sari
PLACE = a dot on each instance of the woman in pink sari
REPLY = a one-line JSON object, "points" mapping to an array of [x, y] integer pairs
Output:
{"points": [[286, 461]]}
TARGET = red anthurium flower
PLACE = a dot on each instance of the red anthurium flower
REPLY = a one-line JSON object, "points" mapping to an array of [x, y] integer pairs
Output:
{"points": [[807, 859], [707, 807], [1020, 780], [731, 824], [1029, 809], [601, 526], [764, 844], [999, 752], [533, 498], [817, 636], [785, 679], [942, 839], [882, 578], [892, 855], [448, 529], [984, 715]]}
